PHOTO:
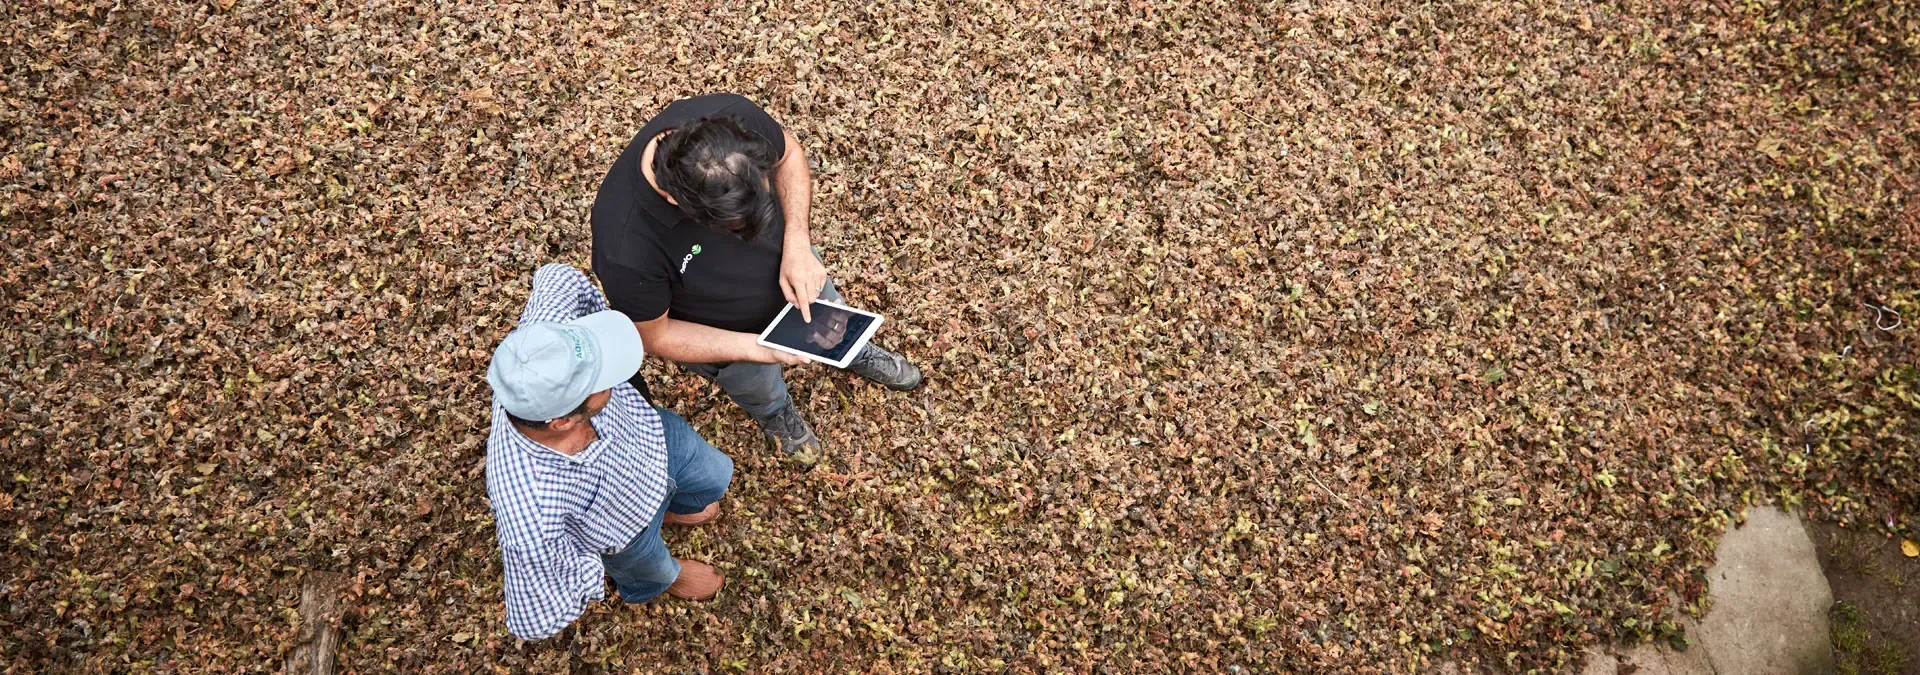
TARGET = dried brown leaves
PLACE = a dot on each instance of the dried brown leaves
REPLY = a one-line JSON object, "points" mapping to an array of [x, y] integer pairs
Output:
{"points": [[1321, 336]]}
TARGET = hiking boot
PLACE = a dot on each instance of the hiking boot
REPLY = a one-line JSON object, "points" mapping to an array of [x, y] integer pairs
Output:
{"points": [[697, 581], [705, 515], [887, 368], [790, 434]]}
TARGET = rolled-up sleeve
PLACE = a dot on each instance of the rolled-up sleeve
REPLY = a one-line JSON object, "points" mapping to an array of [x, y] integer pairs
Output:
{"points": [[548, 585], [561, 293]]}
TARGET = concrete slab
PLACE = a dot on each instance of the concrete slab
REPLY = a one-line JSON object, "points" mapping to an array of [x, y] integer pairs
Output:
{"points": [[1652, 658], [1768, 617], [1770, 600]]}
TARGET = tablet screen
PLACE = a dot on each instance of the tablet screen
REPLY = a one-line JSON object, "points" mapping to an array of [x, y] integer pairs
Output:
{"points": [[834, 333]]}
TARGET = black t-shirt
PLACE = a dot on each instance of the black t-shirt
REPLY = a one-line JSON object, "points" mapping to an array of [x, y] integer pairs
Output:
{"points": [[652, 260]]}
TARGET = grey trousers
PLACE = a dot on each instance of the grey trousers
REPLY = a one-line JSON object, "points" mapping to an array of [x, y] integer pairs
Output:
{"points": [[759, 388]]}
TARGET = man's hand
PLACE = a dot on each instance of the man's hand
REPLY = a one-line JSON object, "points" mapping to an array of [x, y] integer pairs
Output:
{"points": [[801, 278], [771, 355]]}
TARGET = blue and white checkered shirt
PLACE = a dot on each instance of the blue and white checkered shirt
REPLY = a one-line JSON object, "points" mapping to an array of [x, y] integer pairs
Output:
{"points": [[557, 514]]}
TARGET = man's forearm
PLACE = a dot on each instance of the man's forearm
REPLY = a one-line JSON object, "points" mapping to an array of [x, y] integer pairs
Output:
{"points": [[794, 183], [688, 342]]}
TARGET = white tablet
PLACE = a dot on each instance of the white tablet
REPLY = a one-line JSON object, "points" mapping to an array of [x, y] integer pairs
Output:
{"points": [[837, 334]]}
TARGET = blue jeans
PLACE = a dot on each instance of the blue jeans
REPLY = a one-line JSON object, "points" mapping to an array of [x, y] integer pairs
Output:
{"points": [[697, 475], [759, 388]]}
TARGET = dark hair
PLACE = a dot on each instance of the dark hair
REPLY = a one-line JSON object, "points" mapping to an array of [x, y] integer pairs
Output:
{"points": [[542, 424], [719, 173]]}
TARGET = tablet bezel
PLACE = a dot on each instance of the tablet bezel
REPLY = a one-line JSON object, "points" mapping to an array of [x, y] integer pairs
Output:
{"points": [[853, 352]]}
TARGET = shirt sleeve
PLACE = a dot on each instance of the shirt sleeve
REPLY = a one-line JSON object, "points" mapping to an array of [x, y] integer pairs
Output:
{"points": [[642, 293], [561, 293], [758, 121], [548, 585]]}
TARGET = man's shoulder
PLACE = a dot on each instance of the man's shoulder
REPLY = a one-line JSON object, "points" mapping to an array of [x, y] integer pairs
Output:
{"points": [[625, 232], [628, 399], [513, 485], [676, 113], [619, 203], [625, 208], [507, 462], [562, 275], [703, 105]]}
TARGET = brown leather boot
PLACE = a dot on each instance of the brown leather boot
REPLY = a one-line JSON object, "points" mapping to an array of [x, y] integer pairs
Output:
{"points": [[707, 514], [698, 581]]}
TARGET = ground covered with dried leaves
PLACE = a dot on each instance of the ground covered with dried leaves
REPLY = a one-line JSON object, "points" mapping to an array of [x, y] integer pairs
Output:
{"points": [[1295, 337]]}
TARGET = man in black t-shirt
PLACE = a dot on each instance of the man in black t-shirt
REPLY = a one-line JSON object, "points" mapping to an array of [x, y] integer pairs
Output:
{"points": [[700, 236]]}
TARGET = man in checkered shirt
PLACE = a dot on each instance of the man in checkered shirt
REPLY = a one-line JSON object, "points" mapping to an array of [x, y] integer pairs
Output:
{"points": [[582, 470]]}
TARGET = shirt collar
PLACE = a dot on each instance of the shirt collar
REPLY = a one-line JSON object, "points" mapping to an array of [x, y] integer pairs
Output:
{"points": [[540, 450]]}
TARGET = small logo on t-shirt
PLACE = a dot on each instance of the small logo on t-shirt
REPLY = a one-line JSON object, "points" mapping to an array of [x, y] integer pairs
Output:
{"points": [[689, 258]]}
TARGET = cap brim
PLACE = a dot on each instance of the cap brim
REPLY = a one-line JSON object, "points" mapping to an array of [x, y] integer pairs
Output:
{"points": [[620, 347]]}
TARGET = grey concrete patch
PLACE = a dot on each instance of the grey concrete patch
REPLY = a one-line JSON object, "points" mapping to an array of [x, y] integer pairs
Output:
{"points": [[1768, 616], [1653, 658], [1770, 600]]}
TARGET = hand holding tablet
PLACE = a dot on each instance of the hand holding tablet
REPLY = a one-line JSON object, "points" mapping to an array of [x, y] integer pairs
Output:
{"points": [[834, 337]]}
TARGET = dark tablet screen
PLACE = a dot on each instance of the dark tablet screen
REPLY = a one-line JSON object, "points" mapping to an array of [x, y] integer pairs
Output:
{"points": [[832, 334]]}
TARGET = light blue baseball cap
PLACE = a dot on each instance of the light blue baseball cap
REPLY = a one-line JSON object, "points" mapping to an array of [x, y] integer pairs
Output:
{"points": [[546, 369]]}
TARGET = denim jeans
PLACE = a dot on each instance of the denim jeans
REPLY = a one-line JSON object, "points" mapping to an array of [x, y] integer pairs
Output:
{"points": [[697, 475], [759, 388]]}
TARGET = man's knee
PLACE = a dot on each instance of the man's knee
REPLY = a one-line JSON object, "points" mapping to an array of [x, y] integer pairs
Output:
{"points": [[722, 468], [706, 370], [645, 561], [753, 381], [711, 472]]}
